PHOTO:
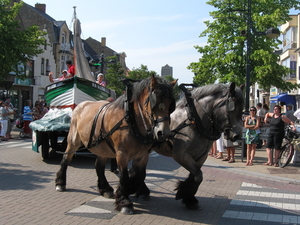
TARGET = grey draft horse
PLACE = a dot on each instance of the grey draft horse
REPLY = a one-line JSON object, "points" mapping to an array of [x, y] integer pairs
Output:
{"points": [[219, 109]]}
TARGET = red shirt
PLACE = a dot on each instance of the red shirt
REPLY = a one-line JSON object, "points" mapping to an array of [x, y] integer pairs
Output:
{"points": [[71, 70]]}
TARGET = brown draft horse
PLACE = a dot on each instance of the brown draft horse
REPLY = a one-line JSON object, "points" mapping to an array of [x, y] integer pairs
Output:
{"points": [[124, 129]]}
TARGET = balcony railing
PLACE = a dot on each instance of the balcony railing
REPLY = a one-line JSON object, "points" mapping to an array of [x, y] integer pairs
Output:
{"points": [[65, 47], [290, 45]]}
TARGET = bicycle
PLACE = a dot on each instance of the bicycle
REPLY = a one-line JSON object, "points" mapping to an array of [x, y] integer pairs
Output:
{"points": [[287, 150]]}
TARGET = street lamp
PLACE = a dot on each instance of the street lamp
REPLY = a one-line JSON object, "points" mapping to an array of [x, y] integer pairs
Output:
{"points": [[270, 33]]}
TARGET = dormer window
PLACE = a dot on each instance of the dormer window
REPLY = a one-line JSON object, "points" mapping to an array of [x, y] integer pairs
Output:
{"points": [[63, 38]]}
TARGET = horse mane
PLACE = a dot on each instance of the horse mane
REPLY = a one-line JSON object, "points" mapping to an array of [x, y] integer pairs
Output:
{"points": [[212, 89], [165, 90]]}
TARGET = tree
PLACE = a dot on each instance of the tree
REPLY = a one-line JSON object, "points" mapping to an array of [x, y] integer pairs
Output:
{"points": [[17, 45], [141, 73], [224, 58], [177, 91], [115, 75]]}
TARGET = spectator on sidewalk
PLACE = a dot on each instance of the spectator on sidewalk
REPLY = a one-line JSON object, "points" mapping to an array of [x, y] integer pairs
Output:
{"points": [[252, 124], [230, 148], [3, 121], [276, 134], [10, 121], [220, 147], [260, 112], [290, 113], [213, 149], [27, 117]]}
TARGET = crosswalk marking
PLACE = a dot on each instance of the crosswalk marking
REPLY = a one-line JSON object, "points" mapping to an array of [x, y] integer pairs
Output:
{"points": [[258, 203], [268, 194], [88, 209], [13, 144]]}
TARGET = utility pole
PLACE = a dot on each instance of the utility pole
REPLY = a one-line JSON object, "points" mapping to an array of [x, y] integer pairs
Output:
{"points": [[101, 63]]}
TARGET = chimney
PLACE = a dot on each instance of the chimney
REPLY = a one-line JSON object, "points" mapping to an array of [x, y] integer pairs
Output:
{"points": [[103, 41], [41, 7]]}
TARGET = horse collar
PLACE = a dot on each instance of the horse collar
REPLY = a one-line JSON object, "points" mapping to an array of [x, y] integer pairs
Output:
{"points": [[130, 118], [194, 118]]}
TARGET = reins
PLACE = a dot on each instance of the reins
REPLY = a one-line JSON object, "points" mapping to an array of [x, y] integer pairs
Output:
{"points": [[196, 121], [129, 118]]}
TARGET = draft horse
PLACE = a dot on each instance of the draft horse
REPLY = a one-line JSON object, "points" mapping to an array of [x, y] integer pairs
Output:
{"points": [[125, 129], [198, 120]]}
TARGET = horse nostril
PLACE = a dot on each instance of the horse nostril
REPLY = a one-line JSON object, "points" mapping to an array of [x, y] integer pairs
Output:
{"points": [[159, 134], [235, 137]]}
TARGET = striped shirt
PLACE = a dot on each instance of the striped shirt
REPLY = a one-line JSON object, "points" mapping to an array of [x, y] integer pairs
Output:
{"points": [[27, 116]]}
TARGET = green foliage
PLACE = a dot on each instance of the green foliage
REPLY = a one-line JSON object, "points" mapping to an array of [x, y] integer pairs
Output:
{"points": [[115, 75], [224, 58], [140, 73], [17, 45], [177, 91]]}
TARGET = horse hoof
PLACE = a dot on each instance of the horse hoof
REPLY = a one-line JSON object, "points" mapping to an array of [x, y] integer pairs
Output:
{"points": [[144, 198], [194, 206], [127, 211], [108, 195], [60, 188]]}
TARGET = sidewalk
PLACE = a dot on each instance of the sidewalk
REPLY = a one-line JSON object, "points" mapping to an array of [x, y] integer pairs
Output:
{"points": [[290, 173]]}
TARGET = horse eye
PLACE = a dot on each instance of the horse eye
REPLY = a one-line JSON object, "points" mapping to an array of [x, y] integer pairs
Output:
{"points": [[161, 106]]}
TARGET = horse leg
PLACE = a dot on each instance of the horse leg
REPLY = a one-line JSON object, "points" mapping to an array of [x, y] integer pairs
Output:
{"points": [[137, 179], [103, 187], [61, 175], [187, 189], [123, 203]]}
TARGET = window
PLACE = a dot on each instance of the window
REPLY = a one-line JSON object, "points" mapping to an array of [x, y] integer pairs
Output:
{"points": [[48, 69], [290, 39], [43, 66]]}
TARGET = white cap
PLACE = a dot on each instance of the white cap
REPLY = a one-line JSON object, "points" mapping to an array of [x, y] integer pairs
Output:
{"points": [[100, 74]]}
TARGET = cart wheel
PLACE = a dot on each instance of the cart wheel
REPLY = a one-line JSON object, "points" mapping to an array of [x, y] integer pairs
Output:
{"points": [[22, 134], [45, 145]]}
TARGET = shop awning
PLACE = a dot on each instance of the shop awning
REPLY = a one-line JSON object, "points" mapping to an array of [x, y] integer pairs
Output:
{"points": [[288, 99]]}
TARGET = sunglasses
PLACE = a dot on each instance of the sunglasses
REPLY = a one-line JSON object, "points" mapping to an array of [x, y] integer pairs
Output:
{"points": [[252, 110]]}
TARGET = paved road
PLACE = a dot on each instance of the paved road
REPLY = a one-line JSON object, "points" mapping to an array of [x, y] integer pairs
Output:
{"points": [[229, 193]]}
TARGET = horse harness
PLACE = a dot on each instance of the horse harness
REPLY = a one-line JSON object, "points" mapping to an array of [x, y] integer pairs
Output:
{"points": [[195, 121], [129, 118]]}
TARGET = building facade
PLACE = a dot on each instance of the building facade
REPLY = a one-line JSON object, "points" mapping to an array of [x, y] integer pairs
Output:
{"points": [[289, 57], [166, 71], [58, 48]]}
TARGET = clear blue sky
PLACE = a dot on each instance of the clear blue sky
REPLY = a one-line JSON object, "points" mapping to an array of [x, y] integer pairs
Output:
{"points": [[153, 33]]}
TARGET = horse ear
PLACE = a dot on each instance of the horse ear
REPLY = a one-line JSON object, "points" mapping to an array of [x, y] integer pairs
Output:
{"points": [[173, 83], [242, 87], [153, 81], [232, 89]]}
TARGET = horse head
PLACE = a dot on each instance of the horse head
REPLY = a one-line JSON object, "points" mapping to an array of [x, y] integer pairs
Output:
{"points": [[218, 109], [157, 103], [234, 108]]}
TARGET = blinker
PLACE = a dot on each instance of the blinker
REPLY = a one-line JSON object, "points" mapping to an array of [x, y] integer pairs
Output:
{"points": [[152, 100], [231, 105]]}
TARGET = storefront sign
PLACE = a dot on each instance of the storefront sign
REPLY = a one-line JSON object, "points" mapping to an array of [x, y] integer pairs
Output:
{"points": [[26, 82]]}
